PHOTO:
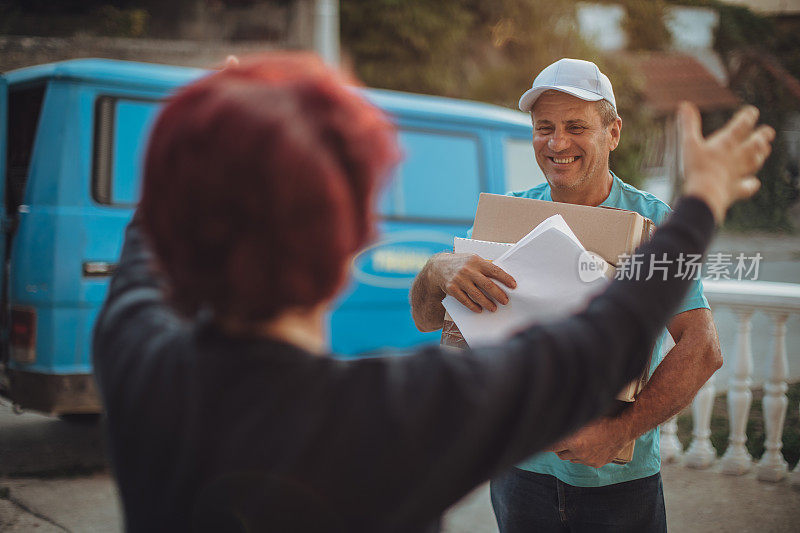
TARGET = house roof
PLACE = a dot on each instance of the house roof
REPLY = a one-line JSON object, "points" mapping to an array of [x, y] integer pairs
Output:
{"points": [[670, 78]]}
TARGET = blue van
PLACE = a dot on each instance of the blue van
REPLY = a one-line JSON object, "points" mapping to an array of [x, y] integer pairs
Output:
{"points": [[71, 144]]}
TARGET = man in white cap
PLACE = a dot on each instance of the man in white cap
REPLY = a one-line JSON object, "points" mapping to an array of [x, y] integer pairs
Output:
{"points": [[576, 487]]}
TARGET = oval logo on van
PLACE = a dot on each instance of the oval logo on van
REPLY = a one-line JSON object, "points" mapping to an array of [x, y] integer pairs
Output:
{"points": [[394, 261]]}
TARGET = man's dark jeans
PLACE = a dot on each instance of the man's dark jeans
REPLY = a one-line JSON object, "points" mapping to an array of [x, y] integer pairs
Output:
{"points": [[526, 501]]}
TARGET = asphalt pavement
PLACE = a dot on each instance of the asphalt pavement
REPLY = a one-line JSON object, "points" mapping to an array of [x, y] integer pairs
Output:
{"points": [[54, 474], [54, 479]]}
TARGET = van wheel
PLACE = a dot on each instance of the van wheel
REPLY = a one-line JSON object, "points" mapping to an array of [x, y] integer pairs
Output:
{"points": [[86, 419]]}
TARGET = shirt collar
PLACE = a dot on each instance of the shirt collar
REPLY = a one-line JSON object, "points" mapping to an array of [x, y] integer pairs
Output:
{"points": [[613, 196]]}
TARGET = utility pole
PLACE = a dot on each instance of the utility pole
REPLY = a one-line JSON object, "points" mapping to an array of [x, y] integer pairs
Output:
{"points": [[326, 30]]}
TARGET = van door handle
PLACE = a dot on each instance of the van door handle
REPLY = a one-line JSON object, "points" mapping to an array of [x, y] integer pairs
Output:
{"points": [[98, 269]]}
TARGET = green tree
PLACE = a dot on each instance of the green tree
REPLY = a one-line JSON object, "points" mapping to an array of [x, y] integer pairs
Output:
{"points": [[409, 45], [645, 26], [768, 210], [515, 40], [487, 51], [756, 51]]}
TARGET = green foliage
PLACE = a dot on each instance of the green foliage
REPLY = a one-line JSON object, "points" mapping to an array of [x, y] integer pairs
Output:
{"points": [[768, 209], [739, 27], [644, 24], [518, 38], [409, 45], [122, 22], [460, 48], [638, 123], [740, 32], [114, 19], [740, 37]]}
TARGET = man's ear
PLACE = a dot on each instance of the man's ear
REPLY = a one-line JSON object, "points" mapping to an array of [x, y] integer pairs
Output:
{"points": [[614, 131]]}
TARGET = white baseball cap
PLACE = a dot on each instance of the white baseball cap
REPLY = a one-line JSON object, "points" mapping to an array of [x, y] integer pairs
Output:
{"points": [[577, 77]]}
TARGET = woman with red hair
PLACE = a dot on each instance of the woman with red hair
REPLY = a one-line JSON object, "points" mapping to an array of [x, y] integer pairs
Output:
{"points": [[225, 411]]}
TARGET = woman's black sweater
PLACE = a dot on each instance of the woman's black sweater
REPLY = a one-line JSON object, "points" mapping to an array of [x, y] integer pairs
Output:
{"points": [[213, 433]]}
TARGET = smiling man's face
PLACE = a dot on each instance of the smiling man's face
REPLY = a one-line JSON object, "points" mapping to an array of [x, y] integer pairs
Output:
{"points": [[572, 146]]}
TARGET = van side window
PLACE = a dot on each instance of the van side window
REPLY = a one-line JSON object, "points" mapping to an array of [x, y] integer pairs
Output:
{"points": [[121, 129], [24, 107], [522, 171], [440, 177]]}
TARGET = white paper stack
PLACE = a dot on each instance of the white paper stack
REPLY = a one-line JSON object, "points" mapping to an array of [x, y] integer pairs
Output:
{"points": [[555, 277]]}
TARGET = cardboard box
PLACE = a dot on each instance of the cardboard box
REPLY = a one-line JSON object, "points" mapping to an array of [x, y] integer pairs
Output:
{"points": [[609, 232]]}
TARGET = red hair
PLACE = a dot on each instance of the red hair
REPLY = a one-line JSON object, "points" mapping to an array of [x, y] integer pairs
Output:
{"points": [[258, 186]]}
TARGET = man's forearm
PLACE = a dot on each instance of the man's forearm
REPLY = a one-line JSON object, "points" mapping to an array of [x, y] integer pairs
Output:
{"points": [[673, 385], [426, 299]]}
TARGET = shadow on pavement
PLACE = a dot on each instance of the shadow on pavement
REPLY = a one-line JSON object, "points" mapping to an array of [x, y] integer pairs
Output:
{"points": [[38, 445]]}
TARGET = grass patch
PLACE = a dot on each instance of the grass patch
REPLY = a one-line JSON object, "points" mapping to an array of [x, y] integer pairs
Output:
{"points": [[755, 426]]}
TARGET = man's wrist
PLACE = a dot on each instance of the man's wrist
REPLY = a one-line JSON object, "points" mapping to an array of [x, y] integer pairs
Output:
{"points": [[622, 427], [713, 201], [434, 275]]}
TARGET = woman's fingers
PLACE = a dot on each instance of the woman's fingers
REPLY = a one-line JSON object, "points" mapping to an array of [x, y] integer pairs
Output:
{"points": [[756, 148], [738, 128], [689, 126], [747, 187]]}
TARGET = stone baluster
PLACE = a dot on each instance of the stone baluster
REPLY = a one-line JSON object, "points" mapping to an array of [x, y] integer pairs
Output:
{"points": [[701, 453], [772, 466], [737, 460], [671, 447], [795, 477]]}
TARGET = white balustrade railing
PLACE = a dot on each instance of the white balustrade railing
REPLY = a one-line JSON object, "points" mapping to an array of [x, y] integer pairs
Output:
{"points": [[777, 301], [736, 459]]}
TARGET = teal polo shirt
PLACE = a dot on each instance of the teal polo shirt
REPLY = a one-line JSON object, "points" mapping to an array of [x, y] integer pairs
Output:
{"points": [[646, 456]]}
